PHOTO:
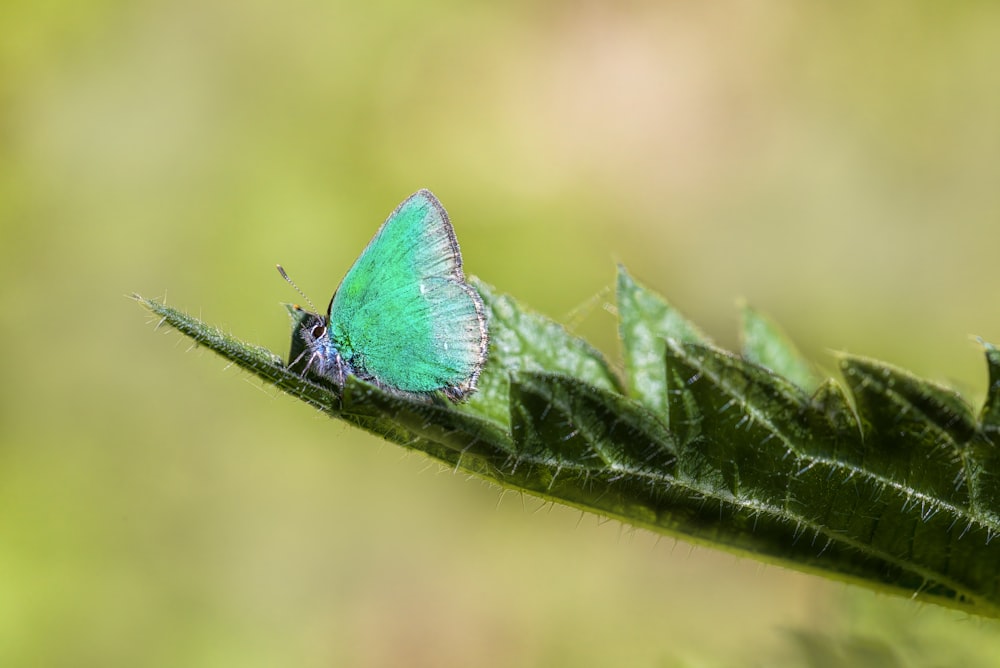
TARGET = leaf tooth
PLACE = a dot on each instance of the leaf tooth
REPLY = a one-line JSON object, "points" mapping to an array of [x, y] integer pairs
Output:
{"points": [[990, 414], [645, 322], [765, 343]]}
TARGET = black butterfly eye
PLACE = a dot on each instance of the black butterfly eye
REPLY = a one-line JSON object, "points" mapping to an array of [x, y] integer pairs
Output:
{"points": [[318, 331]]}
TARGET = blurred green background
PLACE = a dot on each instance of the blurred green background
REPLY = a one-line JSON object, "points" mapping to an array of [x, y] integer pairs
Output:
{"points": [[835, 164]]}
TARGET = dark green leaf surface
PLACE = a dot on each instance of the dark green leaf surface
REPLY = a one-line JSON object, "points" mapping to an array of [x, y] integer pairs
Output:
{"points": [[889, 481]]}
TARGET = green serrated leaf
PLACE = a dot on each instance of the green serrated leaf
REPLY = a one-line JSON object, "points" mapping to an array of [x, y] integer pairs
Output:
{"points": [[894, 486], [766, 344]]}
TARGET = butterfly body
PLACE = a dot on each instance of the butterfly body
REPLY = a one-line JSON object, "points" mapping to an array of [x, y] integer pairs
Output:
{"points": [[403, 317]]}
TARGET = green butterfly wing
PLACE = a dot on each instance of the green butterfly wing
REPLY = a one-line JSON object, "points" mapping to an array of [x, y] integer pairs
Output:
{"points": [[404, 316]]}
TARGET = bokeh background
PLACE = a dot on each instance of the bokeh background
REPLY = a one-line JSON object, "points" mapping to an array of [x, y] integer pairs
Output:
{"points": [[836, 165]]}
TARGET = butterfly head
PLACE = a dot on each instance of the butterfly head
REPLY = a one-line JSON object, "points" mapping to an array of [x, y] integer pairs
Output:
{"points": [[308, 330]]}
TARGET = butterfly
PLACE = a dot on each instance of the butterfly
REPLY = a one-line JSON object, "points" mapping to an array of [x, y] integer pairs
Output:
{"points": [[403, 317]]}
